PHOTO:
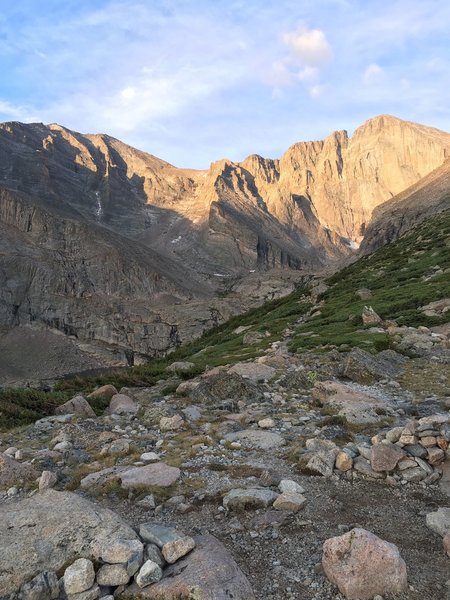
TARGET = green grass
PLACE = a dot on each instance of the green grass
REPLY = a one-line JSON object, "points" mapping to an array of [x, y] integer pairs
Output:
{"points": [[400, 277]]}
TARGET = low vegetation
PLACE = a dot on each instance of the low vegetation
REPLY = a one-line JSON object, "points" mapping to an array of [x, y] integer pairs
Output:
{"points": [[402, 277]]}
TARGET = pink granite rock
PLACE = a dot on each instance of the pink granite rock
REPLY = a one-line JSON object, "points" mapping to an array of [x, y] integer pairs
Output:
{"points": [[362, 565]]}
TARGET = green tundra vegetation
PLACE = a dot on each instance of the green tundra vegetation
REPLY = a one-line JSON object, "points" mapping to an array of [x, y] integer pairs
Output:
{"points": [[402, 277]]}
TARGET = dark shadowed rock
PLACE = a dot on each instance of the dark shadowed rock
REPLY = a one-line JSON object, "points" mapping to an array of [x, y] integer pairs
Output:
{"points": [[226, 386], [366, 368]]}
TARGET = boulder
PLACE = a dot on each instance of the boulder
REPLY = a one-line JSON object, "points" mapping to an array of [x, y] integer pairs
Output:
{"points": [[208, 572], [365, 368], [44, 586], [439, 521], [49, 531], [78, 406], [225, 386], [121, 405], [253, 438], [105, 391], [385, 456], [156, 474], [362, 565], [252, 498], [370, 317], [47, 480], [13, 472], [254, 371], [357, 407], [320, 456], [149, 573], [171, 423], [290, 501]]}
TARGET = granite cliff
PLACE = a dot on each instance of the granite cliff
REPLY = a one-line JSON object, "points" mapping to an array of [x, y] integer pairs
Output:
{"points": [[114, 246]]}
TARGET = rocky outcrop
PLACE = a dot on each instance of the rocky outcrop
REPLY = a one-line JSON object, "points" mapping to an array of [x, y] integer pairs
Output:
{"points": [[427, 197]]}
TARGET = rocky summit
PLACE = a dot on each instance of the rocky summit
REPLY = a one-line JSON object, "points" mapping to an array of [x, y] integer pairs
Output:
{"points": [[298, 450], [137, 256]]}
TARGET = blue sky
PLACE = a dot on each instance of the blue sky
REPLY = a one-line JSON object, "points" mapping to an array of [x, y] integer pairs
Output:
{"points": [[193, 81]]}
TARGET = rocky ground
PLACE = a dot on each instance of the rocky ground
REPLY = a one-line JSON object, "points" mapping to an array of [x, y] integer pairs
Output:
{"points": [[257, 465]]}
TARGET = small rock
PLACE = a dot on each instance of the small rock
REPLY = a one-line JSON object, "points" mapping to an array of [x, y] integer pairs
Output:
{"points": [[47, 480], [175, 549], [149, 457], [287, 485], [105, 391], [171, 423], [439, 521], [266, 423], [78, 406], [152, 552], [44, 586], [385, 456], [155, 474], [290, 501], [149, 573], [344, 461], [369, 316], [435, 456], [79, 577], [113, 575], [249, 499]]}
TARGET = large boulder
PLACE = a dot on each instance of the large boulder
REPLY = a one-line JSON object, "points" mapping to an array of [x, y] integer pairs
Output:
{"points": [[121, 404], [356, 407], [208, 572], [362, 565], [13, 472], [254, 438], [49, 531], [254, 371], [439, 521], [78, 406], [226, 386], [363, 367]]}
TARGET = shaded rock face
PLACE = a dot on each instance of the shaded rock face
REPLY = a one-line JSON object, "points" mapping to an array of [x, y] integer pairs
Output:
{"points": [[106, 243]]}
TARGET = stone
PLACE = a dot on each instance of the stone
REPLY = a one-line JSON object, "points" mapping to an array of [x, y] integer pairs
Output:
{"points": [[408, 439], [385, 456], [153, 553], [118, 447], [192, 413], [121, 404], [358, 408], [50, 530], [414, 475], [363, 293], [362, 465], [149, 573], [223, 386], [44, 586], [208, 572], [112, 575], [120, 550], [446, 543], [47, 480], [175, 549], [181, 365], [79, 576], [158, 534], [393, 435], [156, 474], [406, 463], [369, 316], [439, 521], [78, 406], [287, 485], [428, 441], [105, 391], [323, 457], [365, 368], [13, 472], [416, 450], [267, 423], [150, 457], [362, 565], [148, 502], [435, 456], [344, 462], [253, 438], [249, 499], [290, 501], [171, 423], [91, 594], [254, 371]]}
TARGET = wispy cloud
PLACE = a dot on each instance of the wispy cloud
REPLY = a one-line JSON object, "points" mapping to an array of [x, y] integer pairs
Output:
{"points": [[193, 81]]}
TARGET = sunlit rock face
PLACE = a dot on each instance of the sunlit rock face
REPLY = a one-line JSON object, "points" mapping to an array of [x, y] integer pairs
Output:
{"points": [[109, 244]]}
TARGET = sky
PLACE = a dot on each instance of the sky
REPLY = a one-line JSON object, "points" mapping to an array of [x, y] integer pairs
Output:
{"points": [[193, 81]]}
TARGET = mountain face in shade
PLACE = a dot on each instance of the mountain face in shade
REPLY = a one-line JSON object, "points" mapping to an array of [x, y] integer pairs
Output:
{"points": [[112, 245]]}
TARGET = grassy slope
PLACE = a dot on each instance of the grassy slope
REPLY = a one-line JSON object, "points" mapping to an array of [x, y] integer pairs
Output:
{"points": [[401, 277]]}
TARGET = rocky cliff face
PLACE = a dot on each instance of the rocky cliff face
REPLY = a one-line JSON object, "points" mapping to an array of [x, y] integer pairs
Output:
{"points": [[420, 201], [107, 243]]}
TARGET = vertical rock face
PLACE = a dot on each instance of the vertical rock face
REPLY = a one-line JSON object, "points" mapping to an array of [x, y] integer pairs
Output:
{"points": [[104, 242]]}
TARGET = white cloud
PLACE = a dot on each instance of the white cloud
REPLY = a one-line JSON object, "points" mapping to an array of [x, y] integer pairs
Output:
{"points": [[14, 112], [373, 74], [308, 48]]}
